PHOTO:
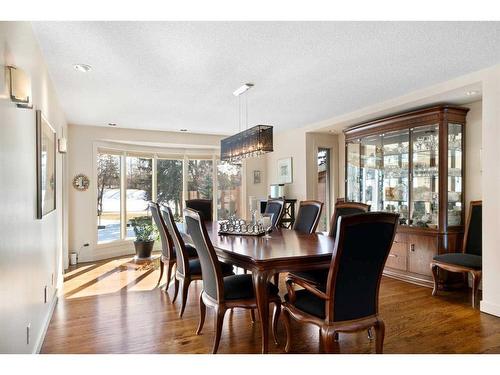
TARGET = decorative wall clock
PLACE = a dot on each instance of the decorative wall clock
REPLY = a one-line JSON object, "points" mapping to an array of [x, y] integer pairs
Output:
{"points": [[81, 182]]}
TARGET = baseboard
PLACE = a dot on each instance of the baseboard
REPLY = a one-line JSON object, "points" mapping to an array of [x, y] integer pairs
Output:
{"points": [[490, 308], [39, 343]]}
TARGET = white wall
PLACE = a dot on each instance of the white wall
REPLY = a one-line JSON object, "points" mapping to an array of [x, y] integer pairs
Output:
{"points": [[82, 142], [30, 249]]}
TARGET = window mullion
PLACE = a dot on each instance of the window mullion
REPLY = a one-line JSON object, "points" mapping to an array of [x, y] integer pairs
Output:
{"points": [[123, 196]]}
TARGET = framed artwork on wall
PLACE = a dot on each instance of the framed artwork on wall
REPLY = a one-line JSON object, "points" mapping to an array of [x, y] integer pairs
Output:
{"points": [[285, 171], [256, 177], [45, 166]]}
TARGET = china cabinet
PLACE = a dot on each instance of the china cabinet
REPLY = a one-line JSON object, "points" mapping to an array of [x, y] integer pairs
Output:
{"points": [[413, 164]]}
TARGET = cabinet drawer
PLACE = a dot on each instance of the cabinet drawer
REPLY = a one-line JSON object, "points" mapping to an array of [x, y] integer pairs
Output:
{"points": [[397, 256]]}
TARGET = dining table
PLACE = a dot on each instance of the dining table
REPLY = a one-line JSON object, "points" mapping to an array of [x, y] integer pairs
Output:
{"points": [[285, 251]]}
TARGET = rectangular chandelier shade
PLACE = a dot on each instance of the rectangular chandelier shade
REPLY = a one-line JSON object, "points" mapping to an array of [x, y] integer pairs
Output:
{"points": [[255, 141]]}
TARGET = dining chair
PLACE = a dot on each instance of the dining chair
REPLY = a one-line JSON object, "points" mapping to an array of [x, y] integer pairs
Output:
{"points": [[187, 270], [308, 216], [470, 259], [275, 207], [221, 292], [341, 209], [306, 222], [348, 302], [204, 206]]}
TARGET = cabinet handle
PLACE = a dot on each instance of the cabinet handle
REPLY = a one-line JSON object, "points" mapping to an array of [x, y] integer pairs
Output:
{"points": [[412, 247]]}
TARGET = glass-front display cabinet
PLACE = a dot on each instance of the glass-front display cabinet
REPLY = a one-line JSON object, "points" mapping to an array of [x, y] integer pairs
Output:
{"points": [[412, 164]]}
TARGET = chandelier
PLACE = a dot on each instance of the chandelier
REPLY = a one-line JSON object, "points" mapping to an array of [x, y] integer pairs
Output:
{"points": [[248, 143]]}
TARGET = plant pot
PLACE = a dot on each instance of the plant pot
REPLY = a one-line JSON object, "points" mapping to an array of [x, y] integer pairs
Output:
{"points": [[143, 249]]}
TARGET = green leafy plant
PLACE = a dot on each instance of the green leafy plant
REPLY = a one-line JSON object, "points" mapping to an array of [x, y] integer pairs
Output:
{"points": [[144, 229]]}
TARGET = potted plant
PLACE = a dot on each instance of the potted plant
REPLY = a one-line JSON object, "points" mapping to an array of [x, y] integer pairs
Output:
{"points": [[145, 235]]}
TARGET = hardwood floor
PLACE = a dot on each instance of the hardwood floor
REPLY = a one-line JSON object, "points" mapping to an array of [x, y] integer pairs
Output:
{"points": [[114, 307]]}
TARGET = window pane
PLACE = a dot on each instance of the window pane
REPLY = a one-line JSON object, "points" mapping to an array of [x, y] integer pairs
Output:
{"points": [[169, 180], [228, 190], [108, 198], [200, 179], [139, 184]]}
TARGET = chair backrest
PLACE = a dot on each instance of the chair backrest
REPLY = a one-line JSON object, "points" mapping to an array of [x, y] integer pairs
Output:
{"points": [[210, 268], [182, 260], [361, 250], [308, 216], [275, 207], [167, 246], [473, 239], [203, 206], [344, 209]]}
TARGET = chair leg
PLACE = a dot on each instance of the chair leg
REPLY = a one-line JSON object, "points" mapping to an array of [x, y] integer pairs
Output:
{"points": [[219, 319], [184, 290], [162, 265], [476, 279], [203, 311], [379, 335], [276, 316], [286, 321], [252, 315], [434, 270], [328, 340], [169, 274], [176, 289]]}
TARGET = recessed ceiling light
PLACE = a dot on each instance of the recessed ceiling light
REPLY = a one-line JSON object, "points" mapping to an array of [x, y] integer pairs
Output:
{"points": [[183, 130], [472, 92], [84, 68], [111, 124]]}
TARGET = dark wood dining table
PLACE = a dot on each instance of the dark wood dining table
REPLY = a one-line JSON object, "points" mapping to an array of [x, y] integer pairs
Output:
{"points": [[286, 250]]}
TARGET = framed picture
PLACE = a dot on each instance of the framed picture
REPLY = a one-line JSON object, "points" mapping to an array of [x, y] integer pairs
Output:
{"points": [[45, 166], [256, 177], [285, 171]]}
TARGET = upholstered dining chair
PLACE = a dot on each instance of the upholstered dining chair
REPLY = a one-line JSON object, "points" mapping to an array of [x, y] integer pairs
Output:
{"points": [[470, 259], [222, 292], [306, 222], [348, 302], [308, 216], [341, 209], [275, 207], [204, 206], [187, 269]]}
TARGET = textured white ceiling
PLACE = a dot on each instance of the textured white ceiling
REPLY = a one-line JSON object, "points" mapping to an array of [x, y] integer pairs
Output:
{"points": [[173, 75]]}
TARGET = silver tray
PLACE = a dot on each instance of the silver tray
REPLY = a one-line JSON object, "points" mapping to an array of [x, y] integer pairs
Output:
{"points": [[238, 233]]}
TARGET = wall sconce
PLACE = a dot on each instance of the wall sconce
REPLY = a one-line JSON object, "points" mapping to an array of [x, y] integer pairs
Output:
{"points": [[20, 87]]}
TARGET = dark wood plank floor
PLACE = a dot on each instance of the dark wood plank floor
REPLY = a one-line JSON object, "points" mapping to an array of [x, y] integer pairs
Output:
{"points": [[114, 307]]}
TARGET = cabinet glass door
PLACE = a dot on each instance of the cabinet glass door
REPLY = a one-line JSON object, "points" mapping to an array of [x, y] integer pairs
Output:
{"points": [[455, 172], [353, 172], [395, 173], [371, 172], [424, 174]]}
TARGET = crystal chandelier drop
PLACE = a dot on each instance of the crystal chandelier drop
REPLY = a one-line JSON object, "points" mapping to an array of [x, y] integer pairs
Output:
{"points": [[248, 143]]}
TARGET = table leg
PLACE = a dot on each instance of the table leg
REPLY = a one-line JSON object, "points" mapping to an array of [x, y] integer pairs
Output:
{"points": [[260, 279]]}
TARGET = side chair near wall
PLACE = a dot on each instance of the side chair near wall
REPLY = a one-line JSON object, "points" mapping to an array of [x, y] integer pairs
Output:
{"points": [[470, 259], [204, 206], [187, 269], [348, 302], [168, 257], [222, 292]]}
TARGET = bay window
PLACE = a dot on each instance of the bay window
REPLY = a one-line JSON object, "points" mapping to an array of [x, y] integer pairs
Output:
{"points": [[126, 181]]}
